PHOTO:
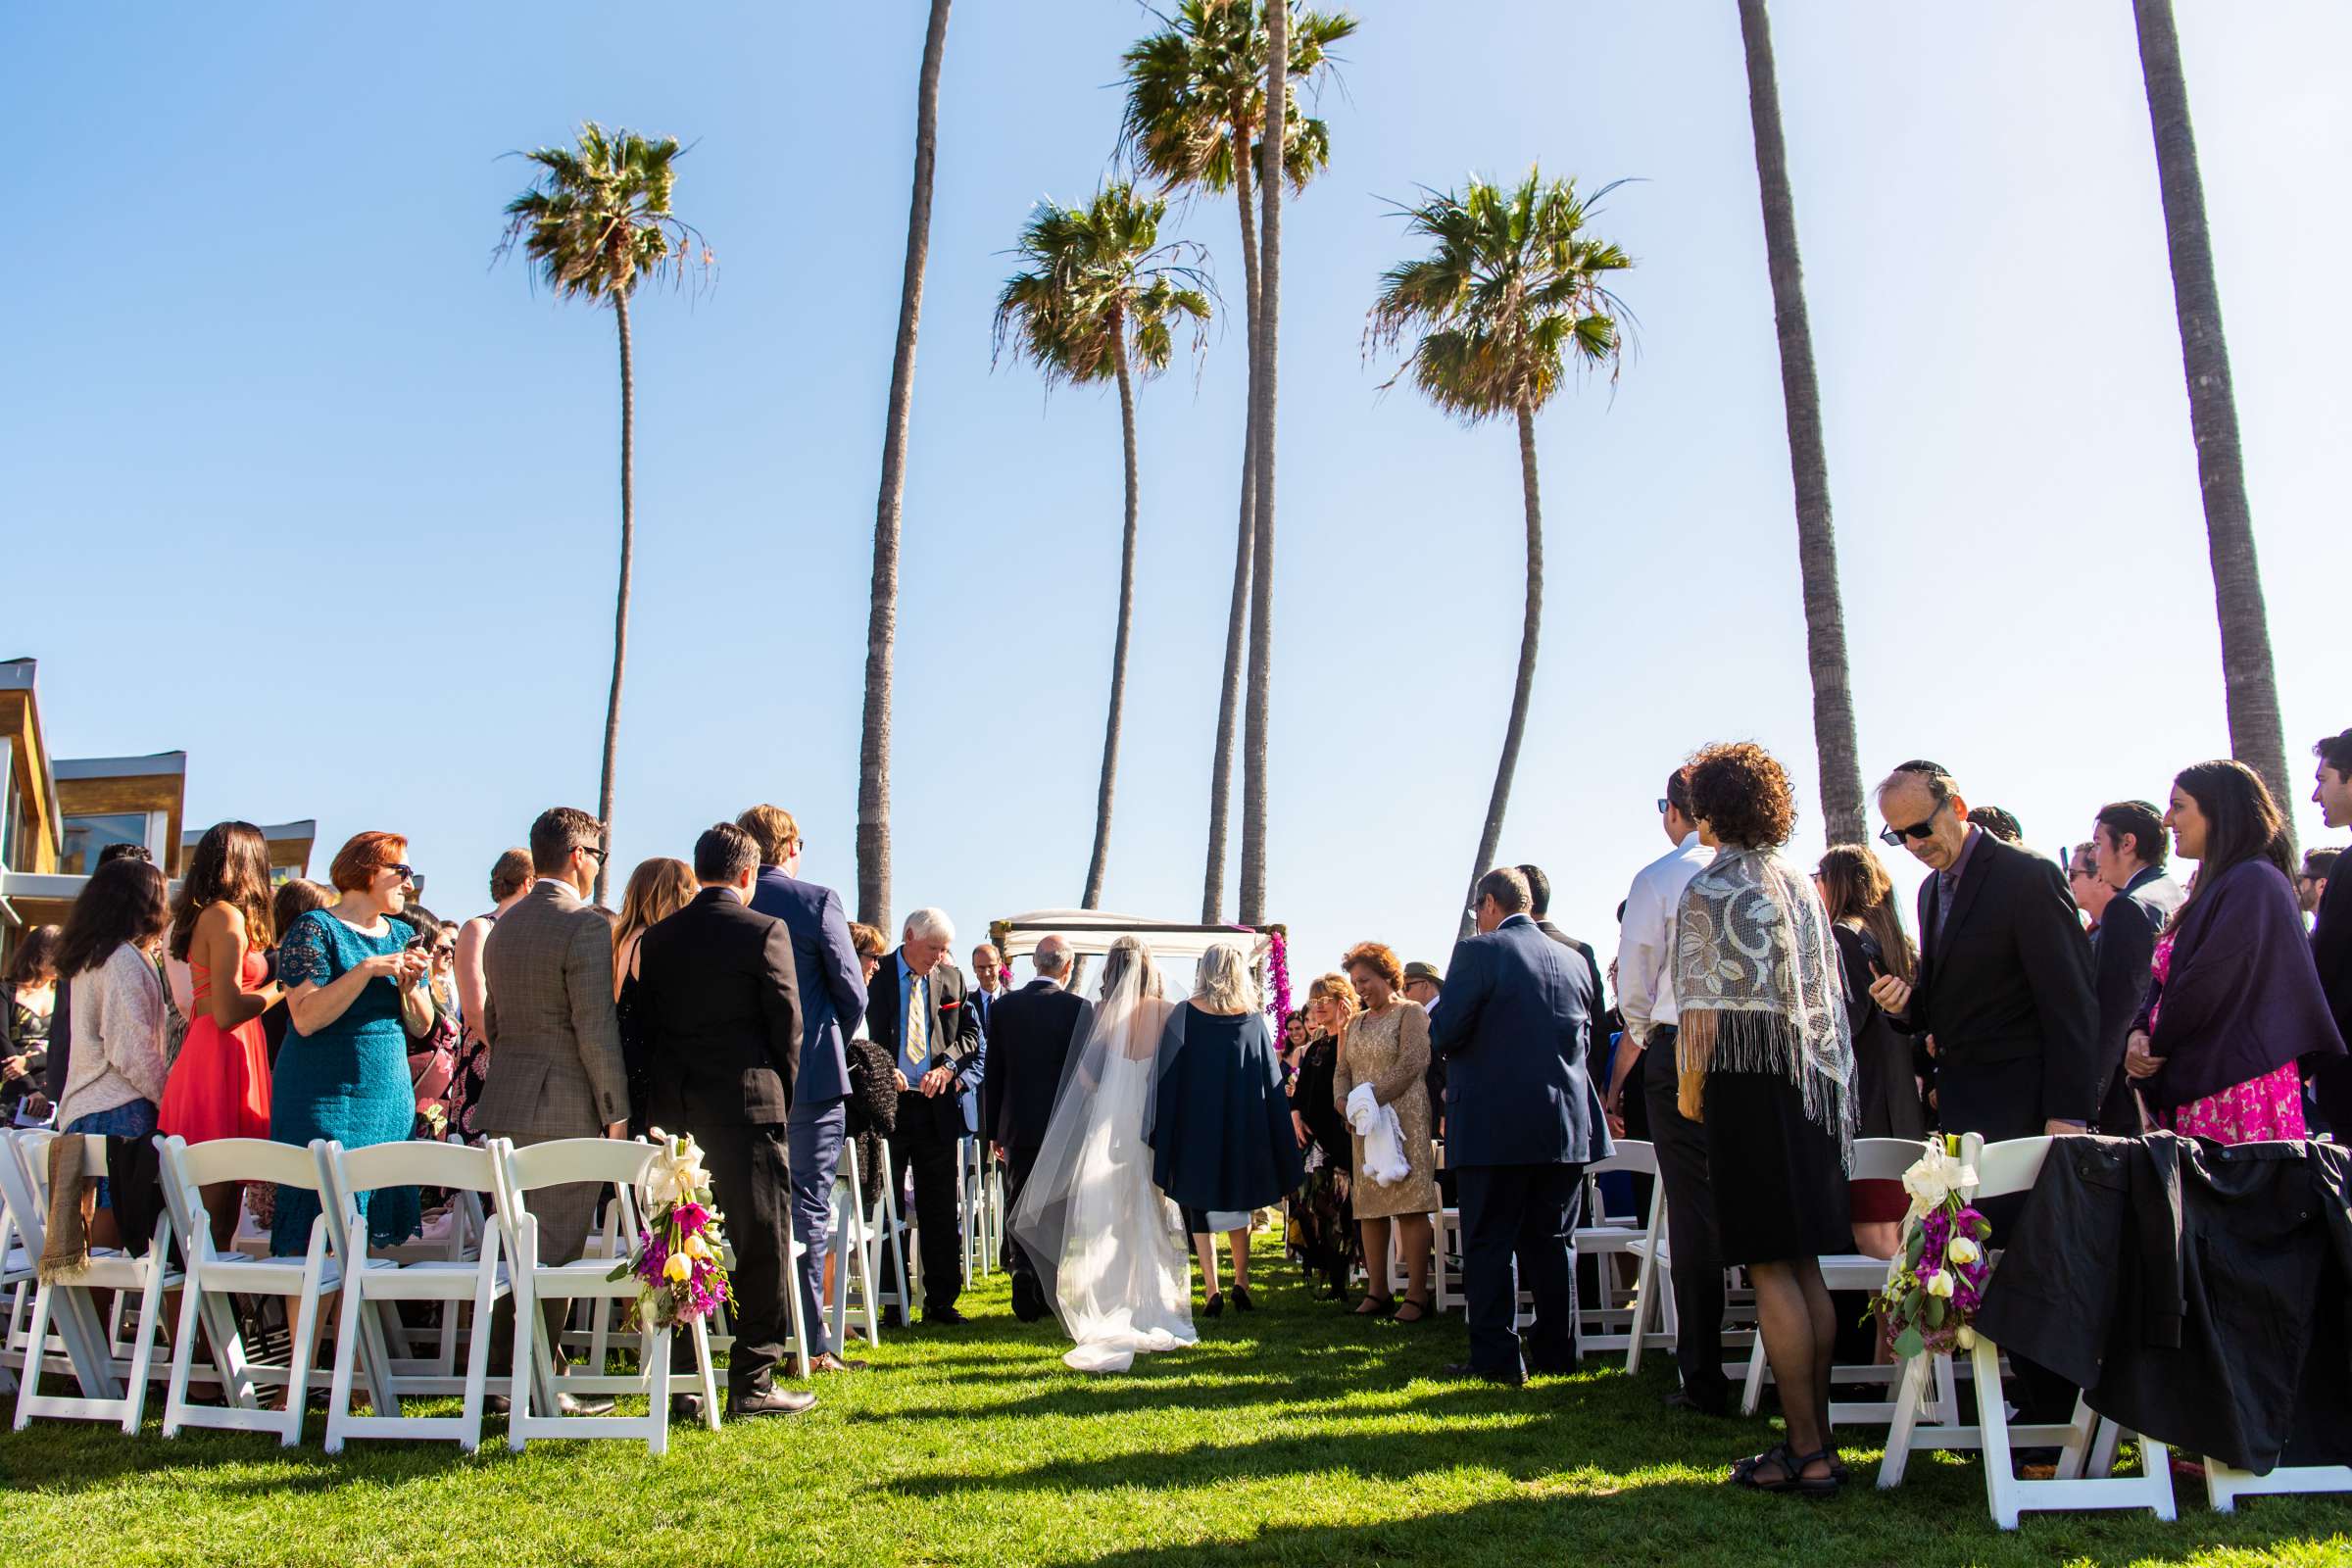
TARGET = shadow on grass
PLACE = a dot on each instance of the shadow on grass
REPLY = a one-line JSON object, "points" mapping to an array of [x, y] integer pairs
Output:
{"points": [[1696, 1523]]}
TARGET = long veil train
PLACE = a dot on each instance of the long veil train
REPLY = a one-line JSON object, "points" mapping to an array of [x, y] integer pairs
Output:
{"points": [[1101, 1236]]}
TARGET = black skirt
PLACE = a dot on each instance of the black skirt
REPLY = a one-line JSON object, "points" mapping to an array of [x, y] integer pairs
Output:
{"points": [[1779, 1185]]}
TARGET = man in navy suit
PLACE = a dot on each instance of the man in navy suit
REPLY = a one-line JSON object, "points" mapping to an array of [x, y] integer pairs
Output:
{"points": [[1522, 1121], [832, 1001]]}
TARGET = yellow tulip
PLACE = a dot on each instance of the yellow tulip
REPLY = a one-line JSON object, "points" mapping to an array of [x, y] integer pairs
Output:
{"points": [[677, 1268]]}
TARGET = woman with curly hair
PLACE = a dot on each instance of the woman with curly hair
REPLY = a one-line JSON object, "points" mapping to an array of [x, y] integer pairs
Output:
{"points": [[1386, 1054], [1767, 1063]]}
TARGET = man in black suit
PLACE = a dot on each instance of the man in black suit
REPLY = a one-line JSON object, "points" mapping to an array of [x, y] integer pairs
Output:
{"points": [[720, 1000], [1032, 1034], [2331, 931], [2004, 994], [1522, 1121], [2004, 991], [916, 1012], [2127, 850]]}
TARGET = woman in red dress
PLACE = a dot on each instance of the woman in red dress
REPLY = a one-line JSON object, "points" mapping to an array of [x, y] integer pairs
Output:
{"points": [[220, 1086]]}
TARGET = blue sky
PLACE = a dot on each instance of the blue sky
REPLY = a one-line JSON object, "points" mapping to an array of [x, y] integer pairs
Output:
{"points": [[298, 482]]}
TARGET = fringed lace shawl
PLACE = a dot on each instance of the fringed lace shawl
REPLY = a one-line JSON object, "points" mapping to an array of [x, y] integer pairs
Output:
{"points": [[1758, 987]]}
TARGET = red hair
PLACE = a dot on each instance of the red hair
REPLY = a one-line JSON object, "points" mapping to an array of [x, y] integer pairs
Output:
{"points": [[362, 856]]}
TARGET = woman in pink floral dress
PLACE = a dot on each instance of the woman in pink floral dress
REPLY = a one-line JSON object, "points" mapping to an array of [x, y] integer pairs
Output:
{"points": [[2235, 1007]]}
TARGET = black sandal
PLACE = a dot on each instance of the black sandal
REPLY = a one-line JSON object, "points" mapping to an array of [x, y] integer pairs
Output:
{"points": [[1748, 1472], [1419, 1310], [1375, 1305]]}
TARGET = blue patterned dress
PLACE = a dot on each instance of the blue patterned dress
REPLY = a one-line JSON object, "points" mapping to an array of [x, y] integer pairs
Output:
{"points": [[349, 1082]]}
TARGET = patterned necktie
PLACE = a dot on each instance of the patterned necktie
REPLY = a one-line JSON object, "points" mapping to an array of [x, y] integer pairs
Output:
{"points": [[918, 1044]]}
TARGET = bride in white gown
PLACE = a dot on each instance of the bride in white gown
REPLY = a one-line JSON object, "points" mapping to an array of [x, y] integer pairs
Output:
{"points": [[1103, 1238]]}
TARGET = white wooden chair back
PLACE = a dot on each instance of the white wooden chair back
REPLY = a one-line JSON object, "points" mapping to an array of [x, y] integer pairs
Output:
{"points": [[109, 1392], [2007, 1169], [372, 1284], [207, 1317]]}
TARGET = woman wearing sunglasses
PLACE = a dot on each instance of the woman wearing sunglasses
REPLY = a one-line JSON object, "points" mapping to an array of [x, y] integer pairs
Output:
{"points": [[357, 992]]}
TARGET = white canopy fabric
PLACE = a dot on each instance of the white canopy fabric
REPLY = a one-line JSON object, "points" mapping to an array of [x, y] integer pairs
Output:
{"points": [[1091, 932]]}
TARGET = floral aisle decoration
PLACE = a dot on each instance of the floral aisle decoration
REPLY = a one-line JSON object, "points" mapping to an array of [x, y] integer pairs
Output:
{"points": [[680, 1279], [1278, 964], [1935, 1280]]}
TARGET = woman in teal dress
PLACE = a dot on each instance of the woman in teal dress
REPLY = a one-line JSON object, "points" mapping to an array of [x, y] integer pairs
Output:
{"points": [[357, 996]]}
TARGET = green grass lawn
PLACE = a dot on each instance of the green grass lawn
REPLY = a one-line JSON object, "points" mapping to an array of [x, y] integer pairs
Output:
{"points": [[1293, 1434]]}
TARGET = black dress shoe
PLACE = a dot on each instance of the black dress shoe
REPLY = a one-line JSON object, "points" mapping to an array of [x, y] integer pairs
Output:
{"points": [[565, 1405], [829, 1362], [1684, 1399], [943, 1317], [1463, 1371], [893, 1318], [768, 1402], [686, 1409]]}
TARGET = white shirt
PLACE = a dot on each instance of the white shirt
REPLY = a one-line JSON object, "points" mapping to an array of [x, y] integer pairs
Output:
{"points": [[560, 884], [1645, 942]]}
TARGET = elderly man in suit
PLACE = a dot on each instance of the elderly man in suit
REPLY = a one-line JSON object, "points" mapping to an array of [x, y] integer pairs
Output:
{"points": [[832, 1001], [1035, 1031], [555, 1044], [916, 1012], [1522, 1121], [723, 1039], [2005, 985]]}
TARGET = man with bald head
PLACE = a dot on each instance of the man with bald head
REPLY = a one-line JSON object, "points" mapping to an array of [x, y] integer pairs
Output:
{"points": [[2004, 991], [1033, 1033]]}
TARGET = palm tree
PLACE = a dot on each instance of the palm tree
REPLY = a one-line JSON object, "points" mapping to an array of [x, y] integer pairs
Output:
{"points": [[595, 224], [1099, 303], [1512, 293], [1196, 107], [2257, 737], [1833, 742], [882, 613]]}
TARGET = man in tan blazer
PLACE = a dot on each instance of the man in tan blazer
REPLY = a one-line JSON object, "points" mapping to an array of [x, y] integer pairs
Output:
{"points": [[555, 1044]]}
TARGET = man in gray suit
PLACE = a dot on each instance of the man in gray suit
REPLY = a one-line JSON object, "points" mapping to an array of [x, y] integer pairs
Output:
{"points": [[555, 1044]]}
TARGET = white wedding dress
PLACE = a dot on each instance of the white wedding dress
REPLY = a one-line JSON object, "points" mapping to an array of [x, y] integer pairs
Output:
{"points": [[1106, 1242]]}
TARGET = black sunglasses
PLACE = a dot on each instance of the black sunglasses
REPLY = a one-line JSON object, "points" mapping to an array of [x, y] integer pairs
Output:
{"points": [[590, 849], [1920, 829], [1663, 803], [402, 870]]}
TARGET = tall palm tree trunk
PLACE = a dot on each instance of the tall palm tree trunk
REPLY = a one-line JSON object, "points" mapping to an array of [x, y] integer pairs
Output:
{"points": [[2257, 737], [1229, 698], [882, 615], [1100, 863], [620, 600], [1530, 628], [1833, 743], [1261, 544]]}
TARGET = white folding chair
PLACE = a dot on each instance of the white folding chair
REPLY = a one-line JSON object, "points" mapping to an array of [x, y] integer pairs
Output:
{"points": [[1653, 1287], [2004, 1169], [1611, 1324], [18, 1275], [886, 1235], [535, 1382], [1875, 1160], [206, 1314], [373, 1286], [74, 1346], [144, 1278], [1446, 1266], [851, 1252], [2223, 1485]]}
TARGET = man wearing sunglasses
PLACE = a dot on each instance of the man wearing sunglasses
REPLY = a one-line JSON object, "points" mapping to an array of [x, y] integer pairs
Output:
{"points": [[554, 1042], [2004, 991]]}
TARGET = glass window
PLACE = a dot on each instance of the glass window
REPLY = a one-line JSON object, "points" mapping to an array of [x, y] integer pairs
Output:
{"points": [[88, 835], [11, 807]]}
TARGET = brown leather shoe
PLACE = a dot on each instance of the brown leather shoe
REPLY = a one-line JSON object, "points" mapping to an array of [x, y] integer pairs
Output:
{"points": [[829, 1362]]}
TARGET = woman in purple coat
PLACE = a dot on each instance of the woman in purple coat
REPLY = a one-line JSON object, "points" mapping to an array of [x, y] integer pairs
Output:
{"points": [[2235, 1008]]}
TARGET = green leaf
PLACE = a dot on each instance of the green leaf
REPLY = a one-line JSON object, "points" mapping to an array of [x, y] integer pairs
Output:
{"points": [[1909, 1343], [1935, 1311], [1915, 1248]]}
